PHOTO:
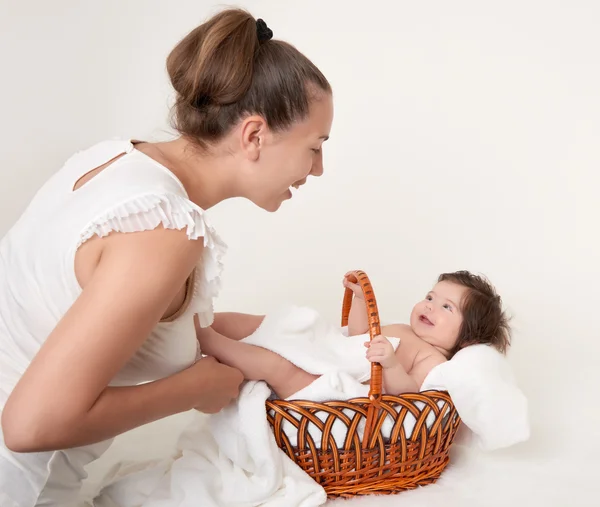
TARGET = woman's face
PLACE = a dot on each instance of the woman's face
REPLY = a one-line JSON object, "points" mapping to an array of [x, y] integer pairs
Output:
{"points": [[284, 160]]}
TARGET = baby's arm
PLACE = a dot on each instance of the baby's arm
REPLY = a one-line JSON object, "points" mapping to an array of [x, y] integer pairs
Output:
{"points": [[397, 381], [395, 378], [358, 320]]}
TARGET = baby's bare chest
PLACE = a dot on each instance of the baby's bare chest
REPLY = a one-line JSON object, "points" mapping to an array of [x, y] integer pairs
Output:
{"points": [[412, 348]]}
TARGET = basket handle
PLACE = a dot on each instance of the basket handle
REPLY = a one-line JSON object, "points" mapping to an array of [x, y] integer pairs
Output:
{"points": [[362, 279]]}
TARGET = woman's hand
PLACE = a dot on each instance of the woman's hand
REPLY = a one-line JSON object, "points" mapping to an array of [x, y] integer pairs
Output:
{"points": [[380, 350], [217, 384]]}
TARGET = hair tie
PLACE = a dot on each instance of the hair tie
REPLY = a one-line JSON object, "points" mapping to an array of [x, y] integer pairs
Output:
{"points": [[201, 101], [263, 32]]}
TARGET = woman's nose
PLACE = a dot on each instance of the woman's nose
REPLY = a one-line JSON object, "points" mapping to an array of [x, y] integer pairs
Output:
{"points": [[317, 167]]}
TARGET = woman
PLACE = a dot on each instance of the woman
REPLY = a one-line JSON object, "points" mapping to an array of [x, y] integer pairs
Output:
{"points": [[112, 268]]}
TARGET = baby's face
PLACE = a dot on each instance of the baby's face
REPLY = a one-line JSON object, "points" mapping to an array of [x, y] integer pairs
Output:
{"points": [[437, 319]]}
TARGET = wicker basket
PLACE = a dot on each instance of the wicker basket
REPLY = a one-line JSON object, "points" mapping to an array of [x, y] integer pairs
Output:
{"points": [[369, 460]]}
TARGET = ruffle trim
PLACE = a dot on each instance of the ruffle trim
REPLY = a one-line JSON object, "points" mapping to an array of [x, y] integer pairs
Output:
{"points": [[147, 212]]}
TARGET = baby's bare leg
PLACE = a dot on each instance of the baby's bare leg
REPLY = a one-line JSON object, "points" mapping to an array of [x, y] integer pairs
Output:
{"points": [[236, 325], [256, 363]]}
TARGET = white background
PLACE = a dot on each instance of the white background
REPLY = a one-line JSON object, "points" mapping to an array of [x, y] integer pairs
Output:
{"points": [[466, 136]]}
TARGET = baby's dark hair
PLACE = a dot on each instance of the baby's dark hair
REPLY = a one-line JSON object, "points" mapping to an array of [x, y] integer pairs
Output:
{"points": [[231, 66], [484, 321]]}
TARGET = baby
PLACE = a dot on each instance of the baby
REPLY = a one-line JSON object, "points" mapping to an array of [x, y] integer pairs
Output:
{"points": [[461, 309]]}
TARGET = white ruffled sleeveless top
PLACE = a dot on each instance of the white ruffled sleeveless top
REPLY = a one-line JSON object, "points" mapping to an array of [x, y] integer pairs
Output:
{"points": [[38, 285]]}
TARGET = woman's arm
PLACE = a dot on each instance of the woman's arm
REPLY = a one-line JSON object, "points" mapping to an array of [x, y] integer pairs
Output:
{"points": [[120, 409], [63, 400]]}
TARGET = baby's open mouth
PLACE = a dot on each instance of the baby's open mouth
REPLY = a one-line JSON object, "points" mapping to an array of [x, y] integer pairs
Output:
{"points": [[425, 320]]}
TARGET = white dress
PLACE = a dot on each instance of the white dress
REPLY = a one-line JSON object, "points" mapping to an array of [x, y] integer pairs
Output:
{"points": [[38, 285]]}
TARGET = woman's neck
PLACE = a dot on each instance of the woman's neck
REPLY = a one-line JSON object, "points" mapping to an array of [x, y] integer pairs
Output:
{"points": [[207, 178]]}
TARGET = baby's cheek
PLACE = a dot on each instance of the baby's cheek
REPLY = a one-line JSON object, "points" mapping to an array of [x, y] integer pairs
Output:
{"points": [[454, 335], [414, 314], [448, 334]]}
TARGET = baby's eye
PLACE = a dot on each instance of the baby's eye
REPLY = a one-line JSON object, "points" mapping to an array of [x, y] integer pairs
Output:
{"points": [[448, 307], [428, 298]]}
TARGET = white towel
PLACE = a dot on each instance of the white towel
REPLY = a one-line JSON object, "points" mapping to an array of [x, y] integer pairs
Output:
{"points": [[484, 390], [341, 386], [306, 339], [234, 461], [478, 379]]}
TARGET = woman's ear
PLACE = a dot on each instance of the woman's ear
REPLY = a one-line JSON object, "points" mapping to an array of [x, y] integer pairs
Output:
{"points": [[253, 131]]}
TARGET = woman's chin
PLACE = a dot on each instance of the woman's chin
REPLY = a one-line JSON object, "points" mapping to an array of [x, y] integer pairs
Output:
{"points": [[277, 204], [273, 205]]}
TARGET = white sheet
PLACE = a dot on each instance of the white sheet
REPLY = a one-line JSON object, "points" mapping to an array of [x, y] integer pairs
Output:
{"points": [[482, 386], [341, 386], [312, 343], [235, 461], [232, 462], [478, 379]]}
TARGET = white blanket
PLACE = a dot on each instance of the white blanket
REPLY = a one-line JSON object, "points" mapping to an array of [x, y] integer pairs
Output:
{"points": [[493, 409], [303, 337], [311, 343], [235, 460]]}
